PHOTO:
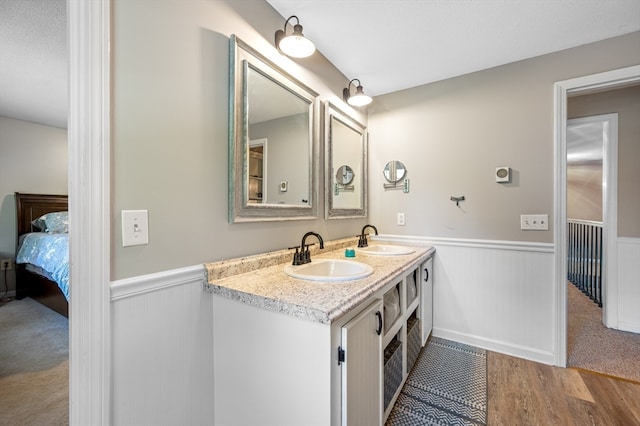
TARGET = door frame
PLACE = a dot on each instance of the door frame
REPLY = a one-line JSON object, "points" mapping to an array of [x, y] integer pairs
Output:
{"points": [[562, 89], [89, 160]]}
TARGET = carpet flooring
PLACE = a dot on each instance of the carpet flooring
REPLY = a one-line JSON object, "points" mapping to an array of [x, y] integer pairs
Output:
{"points": [[594, 347], [447, 386], [34, 366]]}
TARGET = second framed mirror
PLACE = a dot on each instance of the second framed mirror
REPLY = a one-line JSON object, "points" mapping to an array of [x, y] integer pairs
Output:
{"points": [[345, 142]]}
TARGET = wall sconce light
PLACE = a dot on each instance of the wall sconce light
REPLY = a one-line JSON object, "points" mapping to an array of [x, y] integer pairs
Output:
{"points": [[295, 44], [359, 99]]}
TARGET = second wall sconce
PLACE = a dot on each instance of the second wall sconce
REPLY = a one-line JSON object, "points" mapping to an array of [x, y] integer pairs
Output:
{"points": [[295, 44], [359, 99]]}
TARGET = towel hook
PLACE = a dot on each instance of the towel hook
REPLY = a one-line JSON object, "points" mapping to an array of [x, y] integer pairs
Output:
{"points": [[457, 200]]}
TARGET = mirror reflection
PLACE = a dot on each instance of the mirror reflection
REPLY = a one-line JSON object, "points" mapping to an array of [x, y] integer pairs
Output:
{"points": [[273, 141], [346, 154], [344, 176], [280, 119]]}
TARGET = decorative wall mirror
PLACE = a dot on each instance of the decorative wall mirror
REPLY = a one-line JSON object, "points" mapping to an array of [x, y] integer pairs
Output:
{"points": [[273, 141], [346, 165], [395, 174], [394, 171]]}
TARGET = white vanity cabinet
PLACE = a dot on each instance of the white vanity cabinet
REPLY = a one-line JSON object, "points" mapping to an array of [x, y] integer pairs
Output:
{"points": [[426, 304], [360, 359], [405, 331], [275, 368]]}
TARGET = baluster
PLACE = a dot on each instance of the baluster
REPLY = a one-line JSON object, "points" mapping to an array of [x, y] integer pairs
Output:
{"points": [[592, 241], [600, 268]]}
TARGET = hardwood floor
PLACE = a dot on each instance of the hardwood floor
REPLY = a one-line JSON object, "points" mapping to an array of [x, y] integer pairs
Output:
{"points": [[522, 392]]}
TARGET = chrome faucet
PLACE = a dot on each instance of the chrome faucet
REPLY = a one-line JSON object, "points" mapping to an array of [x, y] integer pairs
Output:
{"points": [[362, 238], [304, 256]]}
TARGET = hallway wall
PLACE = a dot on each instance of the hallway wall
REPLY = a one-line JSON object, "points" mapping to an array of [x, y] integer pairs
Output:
{"points": [[626, 102]]}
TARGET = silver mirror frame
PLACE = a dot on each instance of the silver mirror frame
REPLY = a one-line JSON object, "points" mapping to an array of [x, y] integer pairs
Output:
{"points": [[240, 210], [332, 112]]}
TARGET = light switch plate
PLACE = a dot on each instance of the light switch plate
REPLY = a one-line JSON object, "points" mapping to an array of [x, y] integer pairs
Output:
{"points": [[135, 228], [534, 222]]}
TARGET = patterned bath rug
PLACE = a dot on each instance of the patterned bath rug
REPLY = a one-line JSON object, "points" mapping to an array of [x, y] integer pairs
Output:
{"points": [[447, 386]]}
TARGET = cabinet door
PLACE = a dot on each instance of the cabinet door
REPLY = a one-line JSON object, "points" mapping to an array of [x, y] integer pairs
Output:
{"points": [[426, 304], [362, 368]]}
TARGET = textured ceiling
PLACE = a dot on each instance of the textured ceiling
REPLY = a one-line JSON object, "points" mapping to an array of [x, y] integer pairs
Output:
{"points": [[33, 61], [389, 45]]}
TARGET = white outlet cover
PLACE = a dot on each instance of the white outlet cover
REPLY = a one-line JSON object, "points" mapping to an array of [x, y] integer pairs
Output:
{"points": [[534, 222], [135, 228]]}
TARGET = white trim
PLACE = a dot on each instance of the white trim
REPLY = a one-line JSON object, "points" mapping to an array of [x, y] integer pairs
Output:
{"points": [[511, 349], [463, 242], [89, 195], [129, 287], [628, 271], [610, 221], [605, 80]]}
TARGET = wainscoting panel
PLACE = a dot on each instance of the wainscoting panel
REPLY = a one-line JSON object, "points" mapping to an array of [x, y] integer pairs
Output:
{"points": [[497, 295], [162, 343], [496, 298], [629, 284]]}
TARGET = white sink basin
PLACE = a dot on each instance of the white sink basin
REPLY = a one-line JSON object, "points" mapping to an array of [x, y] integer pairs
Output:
{"points": [[329, 270], [385, 250]]}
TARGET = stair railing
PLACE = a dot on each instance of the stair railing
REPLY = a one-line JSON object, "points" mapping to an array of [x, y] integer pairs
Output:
{"points": [[584, 250]]}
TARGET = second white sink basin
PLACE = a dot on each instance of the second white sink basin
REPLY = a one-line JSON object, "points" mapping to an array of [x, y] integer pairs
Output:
{"points": [[329, 270], [385, 250]]}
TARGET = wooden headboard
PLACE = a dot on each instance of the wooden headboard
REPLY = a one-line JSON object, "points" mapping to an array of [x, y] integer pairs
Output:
{"points": [[31, 206]]}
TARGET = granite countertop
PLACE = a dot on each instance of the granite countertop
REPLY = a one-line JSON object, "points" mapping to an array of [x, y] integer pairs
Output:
{"points": [[261, 281]]}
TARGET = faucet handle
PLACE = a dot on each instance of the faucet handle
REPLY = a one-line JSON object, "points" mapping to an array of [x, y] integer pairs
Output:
{"points": [[296, 256]]}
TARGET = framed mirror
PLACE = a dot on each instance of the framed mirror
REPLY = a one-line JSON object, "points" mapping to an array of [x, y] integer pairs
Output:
{"points": [[273, 141], [345, 142]]}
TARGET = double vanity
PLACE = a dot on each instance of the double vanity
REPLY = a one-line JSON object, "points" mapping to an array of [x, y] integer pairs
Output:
{"points": [[330, 341], [328, 334]]}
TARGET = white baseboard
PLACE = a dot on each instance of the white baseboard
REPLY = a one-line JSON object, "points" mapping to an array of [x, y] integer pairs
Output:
{"points": [[11, 294], [506, 348]]}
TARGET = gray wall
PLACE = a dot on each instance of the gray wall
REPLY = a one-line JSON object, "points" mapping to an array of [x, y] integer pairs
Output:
{"points": [[452, 135], [170, 120], [33, 159], [626, 102], [584, 191], [169, 130]]}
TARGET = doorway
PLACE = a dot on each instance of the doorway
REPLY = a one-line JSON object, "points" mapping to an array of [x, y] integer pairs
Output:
{"points": [[563, 90], [592, 143]]}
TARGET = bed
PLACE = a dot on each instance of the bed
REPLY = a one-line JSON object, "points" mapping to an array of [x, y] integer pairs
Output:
{"points": [[44, 283]]}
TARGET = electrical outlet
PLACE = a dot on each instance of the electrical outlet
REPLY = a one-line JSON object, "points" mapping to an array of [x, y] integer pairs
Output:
{"points": [[401, 219], [5, 264], [534, 222]]}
